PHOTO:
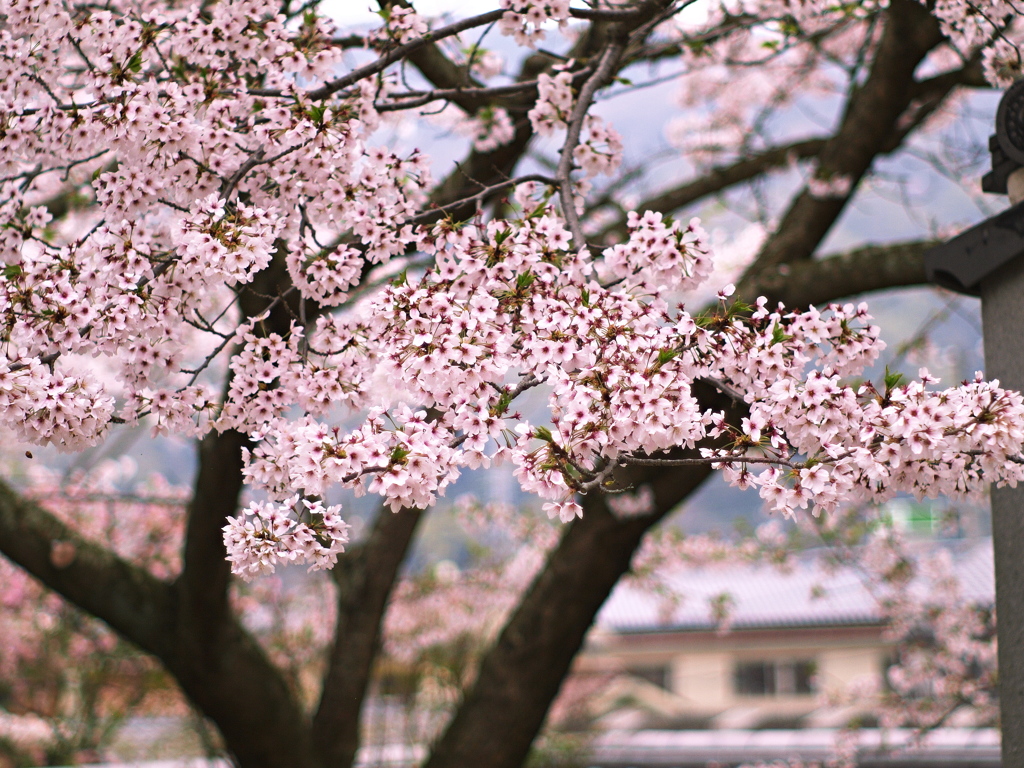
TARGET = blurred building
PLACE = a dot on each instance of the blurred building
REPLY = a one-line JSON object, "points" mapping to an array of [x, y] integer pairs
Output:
{"points": [[796, 648]]}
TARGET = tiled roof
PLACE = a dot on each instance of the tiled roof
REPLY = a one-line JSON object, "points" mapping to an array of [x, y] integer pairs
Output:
{"points": [[763, 596]]}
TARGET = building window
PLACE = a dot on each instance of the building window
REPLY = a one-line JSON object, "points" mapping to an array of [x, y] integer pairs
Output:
{"points": [[658, 676], [771, 678]]}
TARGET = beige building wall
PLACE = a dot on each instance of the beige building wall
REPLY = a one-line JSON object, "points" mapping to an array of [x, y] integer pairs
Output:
{"points": [[838, 668], [701, 668], [705, 679]]}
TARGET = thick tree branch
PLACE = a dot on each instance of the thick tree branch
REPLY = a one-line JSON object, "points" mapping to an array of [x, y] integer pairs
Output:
{"points": [[133, 602], [720, 178], [444, 73], [928, 96], [206, 573], [216, 662], [819, 281], [524, 670], [872, 114], [365, 579], [605, 14], [232, 681], [411, 99], [481, 170], [269, 731]]}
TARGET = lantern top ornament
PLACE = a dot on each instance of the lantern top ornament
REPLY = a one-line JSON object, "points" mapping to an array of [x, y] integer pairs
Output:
{"points": [[1007, 143], [962, 263]]}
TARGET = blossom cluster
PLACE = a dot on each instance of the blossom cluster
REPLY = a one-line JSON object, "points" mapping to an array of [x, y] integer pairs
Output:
{"points": [[210, 182], [1002, 63], [244, 221], [401, 26], [524, 19], [220, 246], [554, 103], [52, 406], [972, 25], [600, 151], [503, 312], [490, 128], [265, 535], [600, 148], [866, 445]]}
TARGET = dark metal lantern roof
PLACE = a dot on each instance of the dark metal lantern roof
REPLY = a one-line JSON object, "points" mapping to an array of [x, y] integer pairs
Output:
{"points": [[962, 263]]}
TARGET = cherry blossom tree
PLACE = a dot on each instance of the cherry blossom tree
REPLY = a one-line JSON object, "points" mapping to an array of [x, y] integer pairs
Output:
{"points": [[206, 230]]}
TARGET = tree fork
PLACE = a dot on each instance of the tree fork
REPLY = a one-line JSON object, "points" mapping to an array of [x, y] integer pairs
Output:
{"points": [[522, 673]]}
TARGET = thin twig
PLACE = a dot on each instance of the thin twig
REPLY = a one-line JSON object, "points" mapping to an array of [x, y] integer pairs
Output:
{"points": [[479, 196], [50, 359], [602, 73], [726, 389], [413, 99], [251, 162], [641, 461]]}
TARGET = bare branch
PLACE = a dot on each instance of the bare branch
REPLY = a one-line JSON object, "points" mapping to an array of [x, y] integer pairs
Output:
{"points": [[712, 461], [601, 76], [413, 99], [395, 54], [605, 14], [720, 178], [437, 211]]}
